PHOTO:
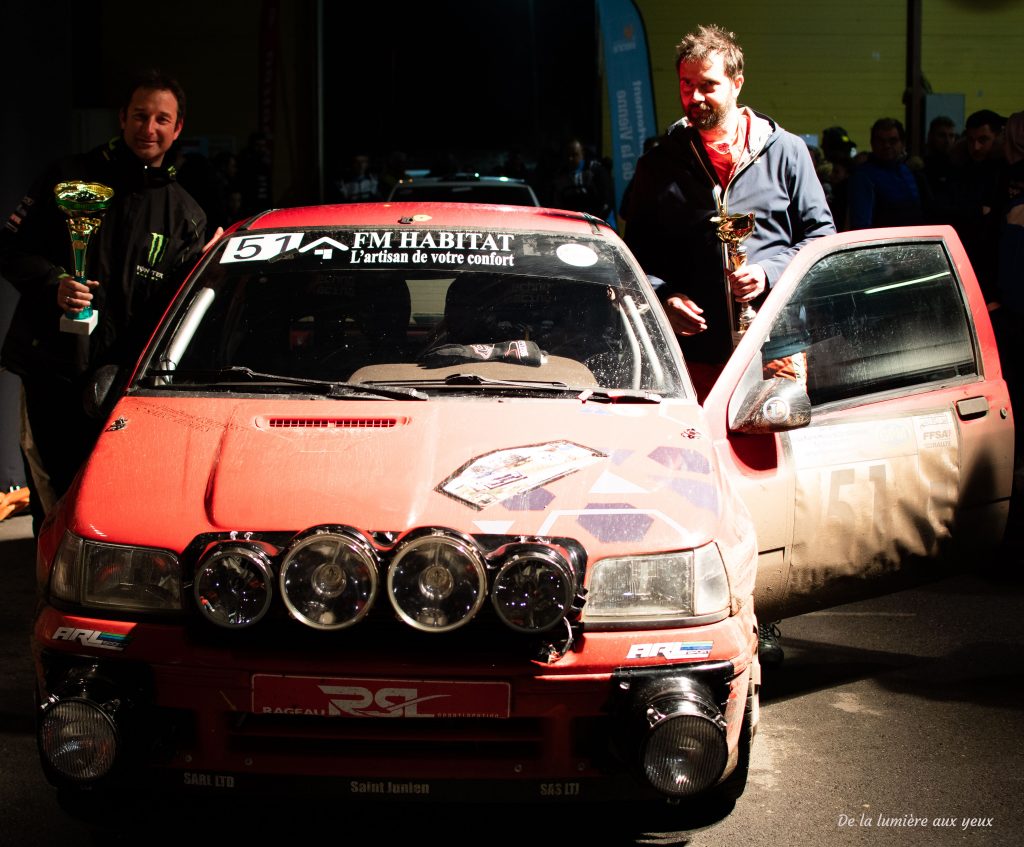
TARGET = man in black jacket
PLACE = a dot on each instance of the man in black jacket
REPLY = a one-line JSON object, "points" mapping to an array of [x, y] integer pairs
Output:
{"points": [[149, 239]]}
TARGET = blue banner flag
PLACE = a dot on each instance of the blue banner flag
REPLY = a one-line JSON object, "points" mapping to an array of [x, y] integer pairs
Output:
{"points": [[627, 72]]}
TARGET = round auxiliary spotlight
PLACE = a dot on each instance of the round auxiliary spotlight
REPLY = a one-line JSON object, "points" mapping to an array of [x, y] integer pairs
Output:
{"points": [[683, 748], [329, 579], [534, 588], [78, 739], [234, 585], [437, 581]]}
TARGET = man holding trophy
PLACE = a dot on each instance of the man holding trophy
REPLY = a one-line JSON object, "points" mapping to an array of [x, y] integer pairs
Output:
{"points": [[717, 211], [111, 233], [721, 205]]}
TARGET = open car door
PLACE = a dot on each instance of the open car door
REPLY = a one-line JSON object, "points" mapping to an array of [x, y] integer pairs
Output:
{"points": [[893, 446]]}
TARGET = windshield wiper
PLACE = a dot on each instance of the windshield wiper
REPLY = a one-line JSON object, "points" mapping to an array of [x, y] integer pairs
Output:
{"points": [[326, 388], [619, 395], [593, 395], [471, 379]]}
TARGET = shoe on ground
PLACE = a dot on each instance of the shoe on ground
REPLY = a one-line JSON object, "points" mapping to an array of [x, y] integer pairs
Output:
{"points": [[768, 647]]}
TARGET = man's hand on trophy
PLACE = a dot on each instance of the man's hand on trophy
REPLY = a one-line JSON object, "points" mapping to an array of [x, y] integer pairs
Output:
{"points": [[685, 315], [747, 282], [72, 296]]}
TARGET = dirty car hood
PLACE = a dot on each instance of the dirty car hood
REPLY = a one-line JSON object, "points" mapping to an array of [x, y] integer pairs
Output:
{"points": [[630, 477]]}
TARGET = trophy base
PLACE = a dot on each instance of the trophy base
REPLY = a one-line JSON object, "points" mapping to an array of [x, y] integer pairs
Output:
{"points": [[79, 326]]}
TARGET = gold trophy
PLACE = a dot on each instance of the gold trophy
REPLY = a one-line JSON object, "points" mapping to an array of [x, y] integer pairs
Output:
{"points": [[733, 230], [84, 203]]}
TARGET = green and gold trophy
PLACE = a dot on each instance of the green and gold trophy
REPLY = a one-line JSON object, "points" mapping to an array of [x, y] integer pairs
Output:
{"points": [[733, 230], [84, 203]]}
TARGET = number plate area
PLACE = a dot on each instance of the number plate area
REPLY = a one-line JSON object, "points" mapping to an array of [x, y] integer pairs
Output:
{"points": [[354, 697]]}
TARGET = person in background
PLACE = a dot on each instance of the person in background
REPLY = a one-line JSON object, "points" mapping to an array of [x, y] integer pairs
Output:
{"points": [[980, 191], [839, 150], [937, 177], [883, 191], [358, 184], [583, 183], [1008, 312]]}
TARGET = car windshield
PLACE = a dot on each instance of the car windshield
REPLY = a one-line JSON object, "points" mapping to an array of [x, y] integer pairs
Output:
{"points": [[415, 312]]}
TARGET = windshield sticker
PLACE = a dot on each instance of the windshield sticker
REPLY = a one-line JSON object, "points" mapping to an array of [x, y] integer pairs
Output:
{"points": [[497, 476], [385, 247], [259, 248], [323, 247], [577, 255]]}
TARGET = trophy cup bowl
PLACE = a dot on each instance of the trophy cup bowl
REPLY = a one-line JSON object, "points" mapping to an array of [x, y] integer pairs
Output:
{"points": [[84, 203], [732, 231]]}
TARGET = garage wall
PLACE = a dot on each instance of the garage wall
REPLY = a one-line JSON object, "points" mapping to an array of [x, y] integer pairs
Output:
{"points": [[816, 65]]}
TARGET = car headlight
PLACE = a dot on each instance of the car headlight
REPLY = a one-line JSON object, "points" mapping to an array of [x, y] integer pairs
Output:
{"points": [[114, 576], [665, 589]]}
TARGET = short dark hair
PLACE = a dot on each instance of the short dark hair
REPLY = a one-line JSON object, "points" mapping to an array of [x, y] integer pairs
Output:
{"points": [[153, 79], [698, 46], [942, 120], [884, 124], [985, 117]]}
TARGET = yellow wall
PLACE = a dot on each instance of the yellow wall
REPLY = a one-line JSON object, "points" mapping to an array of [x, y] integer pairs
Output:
{"points": [[814, 65]]}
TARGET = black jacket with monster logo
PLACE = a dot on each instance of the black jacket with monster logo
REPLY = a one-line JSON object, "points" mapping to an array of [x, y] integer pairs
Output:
{"points": [[147, 242]]}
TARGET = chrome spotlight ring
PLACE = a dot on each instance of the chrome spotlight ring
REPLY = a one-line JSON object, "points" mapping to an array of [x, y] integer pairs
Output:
{"points": [[329, 578], [233, 585], [437, 581], [534, 588]]}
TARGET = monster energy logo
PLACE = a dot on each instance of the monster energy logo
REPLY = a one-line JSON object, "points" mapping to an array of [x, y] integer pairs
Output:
{"points": [[157, 248]]}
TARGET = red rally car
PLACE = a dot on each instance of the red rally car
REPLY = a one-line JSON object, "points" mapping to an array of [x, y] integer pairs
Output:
{"points": [[416, 500]]}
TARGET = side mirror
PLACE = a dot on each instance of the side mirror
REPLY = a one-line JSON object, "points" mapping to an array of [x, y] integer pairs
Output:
{"points": [[101, 392], [773, 405]]}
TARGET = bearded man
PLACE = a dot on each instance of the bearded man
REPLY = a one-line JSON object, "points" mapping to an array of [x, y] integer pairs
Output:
{"points": [[719, 157]]}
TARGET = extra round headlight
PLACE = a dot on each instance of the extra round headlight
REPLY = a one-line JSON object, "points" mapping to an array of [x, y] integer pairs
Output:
{"points": [[534, 589], [233, 585], [329, 579], [684, 749], [78, 739], [437, 582]]}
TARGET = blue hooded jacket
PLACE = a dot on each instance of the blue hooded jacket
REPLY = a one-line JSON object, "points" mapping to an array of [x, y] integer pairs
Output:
{"points": [[669, 227]]}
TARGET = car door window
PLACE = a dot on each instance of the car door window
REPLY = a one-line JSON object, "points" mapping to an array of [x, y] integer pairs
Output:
{"points": [[875, 319]]}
